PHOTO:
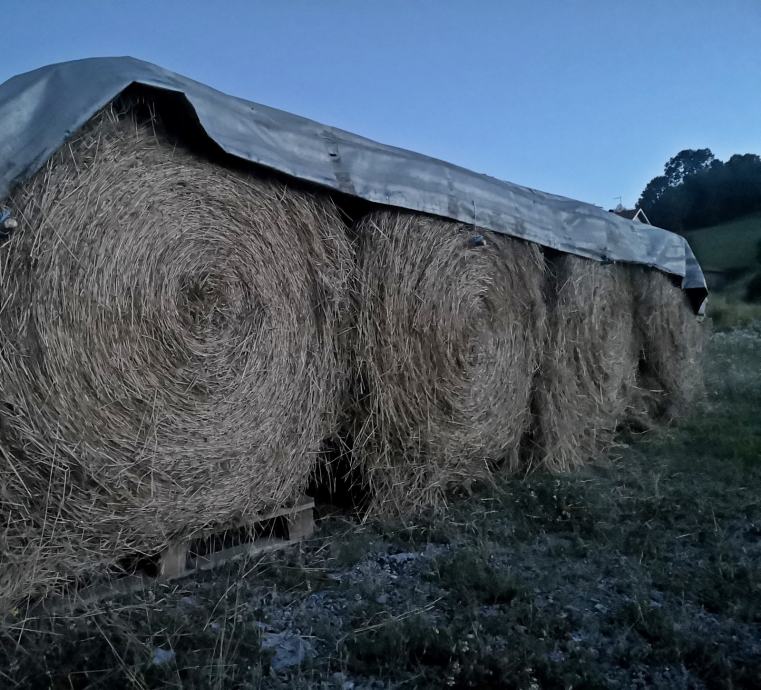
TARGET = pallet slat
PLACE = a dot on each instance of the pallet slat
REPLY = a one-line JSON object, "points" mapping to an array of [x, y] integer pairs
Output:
{"points": [[177, 561]]}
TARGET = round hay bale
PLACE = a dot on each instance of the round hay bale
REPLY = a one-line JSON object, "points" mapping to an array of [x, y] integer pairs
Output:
{"points": [[583, 392], [167, 357], [448, 329], [671, 340]]}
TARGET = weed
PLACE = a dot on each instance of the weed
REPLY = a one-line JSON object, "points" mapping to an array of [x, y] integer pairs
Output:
{"points": [[470, 578]]}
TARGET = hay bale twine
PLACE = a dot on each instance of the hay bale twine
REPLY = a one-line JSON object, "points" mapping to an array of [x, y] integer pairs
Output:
{"points": [[583, 392], [448, 328], [167, 358], [671, 338]]}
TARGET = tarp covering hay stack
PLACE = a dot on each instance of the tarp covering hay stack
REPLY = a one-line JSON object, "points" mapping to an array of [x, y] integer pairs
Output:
{"points": [[589, 365], [167, 357], [448, 333]]}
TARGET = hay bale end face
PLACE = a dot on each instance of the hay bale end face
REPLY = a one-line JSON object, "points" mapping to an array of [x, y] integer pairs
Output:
{"points": [[448, 332], [167, 357], [583, 391], [670, 376]]}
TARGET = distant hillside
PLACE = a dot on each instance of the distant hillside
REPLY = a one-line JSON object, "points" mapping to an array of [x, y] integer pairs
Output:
{"points": [[728, 246]]}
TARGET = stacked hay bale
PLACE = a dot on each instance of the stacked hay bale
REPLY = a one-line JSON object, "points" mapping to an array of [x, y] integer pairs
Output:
{"points": [[173, 350], [671, 338], [167, 357], [589, 365], [449, 326]]}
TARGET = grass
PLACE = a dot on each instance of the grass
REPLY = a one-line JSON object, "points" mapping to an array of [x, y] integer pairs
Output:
{"points": [[728, 246], [733, 248], [728, 313], [469, 578], [642, 572]]}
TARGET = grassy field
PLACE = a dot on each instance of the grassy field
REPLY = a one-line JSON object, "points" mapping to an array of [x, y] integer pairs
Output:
{"points": [[733, 248], [728, 312], [644, 572], [732, 245]]}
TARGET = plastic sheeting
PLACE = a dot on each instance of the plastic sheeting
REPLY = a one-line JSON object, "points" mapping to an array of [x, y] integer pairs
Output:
{"points": [[41, 109]]}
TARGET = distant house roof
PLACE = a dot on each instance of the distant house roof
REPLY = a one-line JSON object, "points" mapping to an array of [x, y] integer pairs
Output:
{"points": [[631, 214]]}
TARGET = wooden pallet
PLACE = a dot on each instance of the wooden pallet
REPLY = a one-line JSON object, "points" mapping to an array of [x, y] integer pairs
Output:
{"points": [[181, 558]]}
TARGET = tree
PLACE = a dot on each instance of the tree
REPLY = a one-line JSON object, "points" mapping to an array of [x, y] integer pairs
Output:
{"points": [[697, 190], [666, 199], [653, 192], [664, 205], [686, 163]]}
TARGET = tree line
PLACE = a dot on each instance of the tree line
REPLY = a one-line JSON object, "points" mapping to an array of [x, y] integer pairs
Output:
{"points": [[697, 190]]}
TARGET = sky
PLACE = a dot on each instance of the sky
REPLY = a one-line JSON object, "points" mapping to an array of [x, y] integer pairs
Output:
{"points": [[583, 98]]}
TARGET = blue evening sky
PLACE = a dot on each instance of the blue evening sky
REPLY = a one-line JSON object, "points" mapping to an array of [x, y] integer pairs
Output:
{"points": [[583, 98]]}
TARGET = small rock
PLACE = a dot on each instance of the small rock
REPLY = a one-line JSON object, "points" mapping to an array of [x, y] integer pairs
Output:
{"points": [[340, 680], [288, 650], [162, 657]]}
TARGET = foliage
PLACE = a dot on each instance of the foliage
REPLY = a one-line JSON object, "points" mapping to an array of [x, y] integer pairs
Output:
{"points": [[687, 163], [697, 190]]}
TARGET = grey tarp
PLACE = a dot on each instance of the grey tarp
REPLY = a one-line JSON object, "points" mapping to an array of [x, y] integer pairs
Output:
{"points": [[39, 110]]}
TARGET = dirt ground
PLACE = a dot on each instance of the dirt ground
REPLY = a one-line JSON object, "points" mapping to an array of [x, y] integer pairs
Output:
{"points": [[644, 572]]}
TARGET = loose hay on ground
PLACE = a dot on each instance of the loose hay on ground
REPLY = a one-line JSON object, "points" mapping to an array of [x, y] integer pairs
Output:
{"points": [[583, 392], [167, 358], [445, 346]]}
